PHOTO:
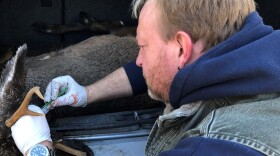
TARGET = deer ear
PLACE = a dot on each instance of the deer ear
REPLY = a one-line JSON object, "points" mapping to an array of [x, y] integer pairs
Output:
{"points": [[13, 76]]}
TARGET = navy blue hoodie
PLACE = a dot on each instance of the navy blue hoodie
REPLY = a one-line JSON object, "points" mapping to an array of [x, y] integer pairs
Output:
{"points": [[247, 63]]}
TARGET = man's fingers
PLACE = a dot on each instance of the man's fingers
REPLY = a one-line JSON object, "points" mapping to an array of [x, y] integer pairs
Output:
{"points": [[66, 99], [54, 89], [57, 85], [47, 96]]}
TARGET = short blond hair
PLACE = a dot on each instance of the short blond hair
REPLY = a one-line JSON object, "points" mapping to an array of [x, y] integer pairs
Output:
{"points": [[211, 21]]}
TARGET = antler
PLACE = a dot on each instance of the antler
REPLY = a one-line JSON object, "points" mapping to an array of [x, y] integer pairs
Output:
{"points": [[23, 109], [69, 150]]}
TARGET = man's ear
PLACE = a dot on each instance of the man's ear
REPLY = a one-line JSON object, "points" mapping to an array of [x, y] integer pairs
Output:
{"points": [[185, 50]]}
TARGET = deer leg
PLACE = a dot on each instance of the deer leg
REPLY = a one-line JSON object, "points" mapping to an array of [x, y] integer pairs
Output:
{"points": [[69, 150], [23, 109]]}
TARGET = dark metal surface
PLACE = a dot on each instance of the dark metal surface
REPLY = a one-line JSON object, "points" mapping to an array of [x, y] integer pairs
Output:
{"points": [[109, 123]]}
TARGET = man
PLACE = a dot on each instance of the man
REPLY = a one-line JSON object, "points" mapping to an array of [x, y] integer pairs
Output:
{"points": [[215, 65]]}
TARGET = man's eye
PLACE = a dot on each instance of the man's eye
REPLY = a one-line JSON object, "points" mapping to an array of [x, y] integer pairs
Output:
{"points": [[142, 46]]}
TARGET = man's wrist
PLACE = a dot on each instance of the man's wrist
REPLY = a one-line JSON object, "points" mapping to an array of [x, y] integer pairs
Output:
{"points": [[87, 94], [48, 144]]}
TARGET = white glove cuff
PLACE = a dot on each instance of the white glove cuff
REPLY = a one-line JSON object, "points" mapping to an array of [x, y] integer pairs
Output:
{"points": [[83, 101]]}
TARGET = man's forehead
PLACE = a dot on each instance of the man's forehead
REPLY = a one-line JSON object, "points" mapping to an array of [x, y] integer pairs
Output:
{"points": [[139, 36], [147, 16], [148, 9], [147, 22]]}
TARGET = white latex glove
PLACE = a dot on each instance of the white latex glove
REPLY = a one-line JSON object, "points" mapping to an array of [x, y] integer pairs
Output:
{"points": [[75, 96], [30, 130]]}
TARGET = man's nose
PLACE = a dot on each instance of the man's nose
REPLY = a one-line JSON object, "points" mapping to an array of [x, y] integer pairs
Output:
{"points": [[139, 60]]}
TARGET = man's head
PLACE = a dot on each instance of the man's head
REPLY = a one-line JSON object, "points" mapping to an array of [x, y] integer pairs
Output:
{"points": [[174, 33]]}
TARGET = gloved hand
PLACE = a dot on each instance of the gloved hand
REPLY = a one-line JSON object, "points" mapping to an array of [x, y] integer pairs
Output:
{"points": [[30, 130], [75, 96]]}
